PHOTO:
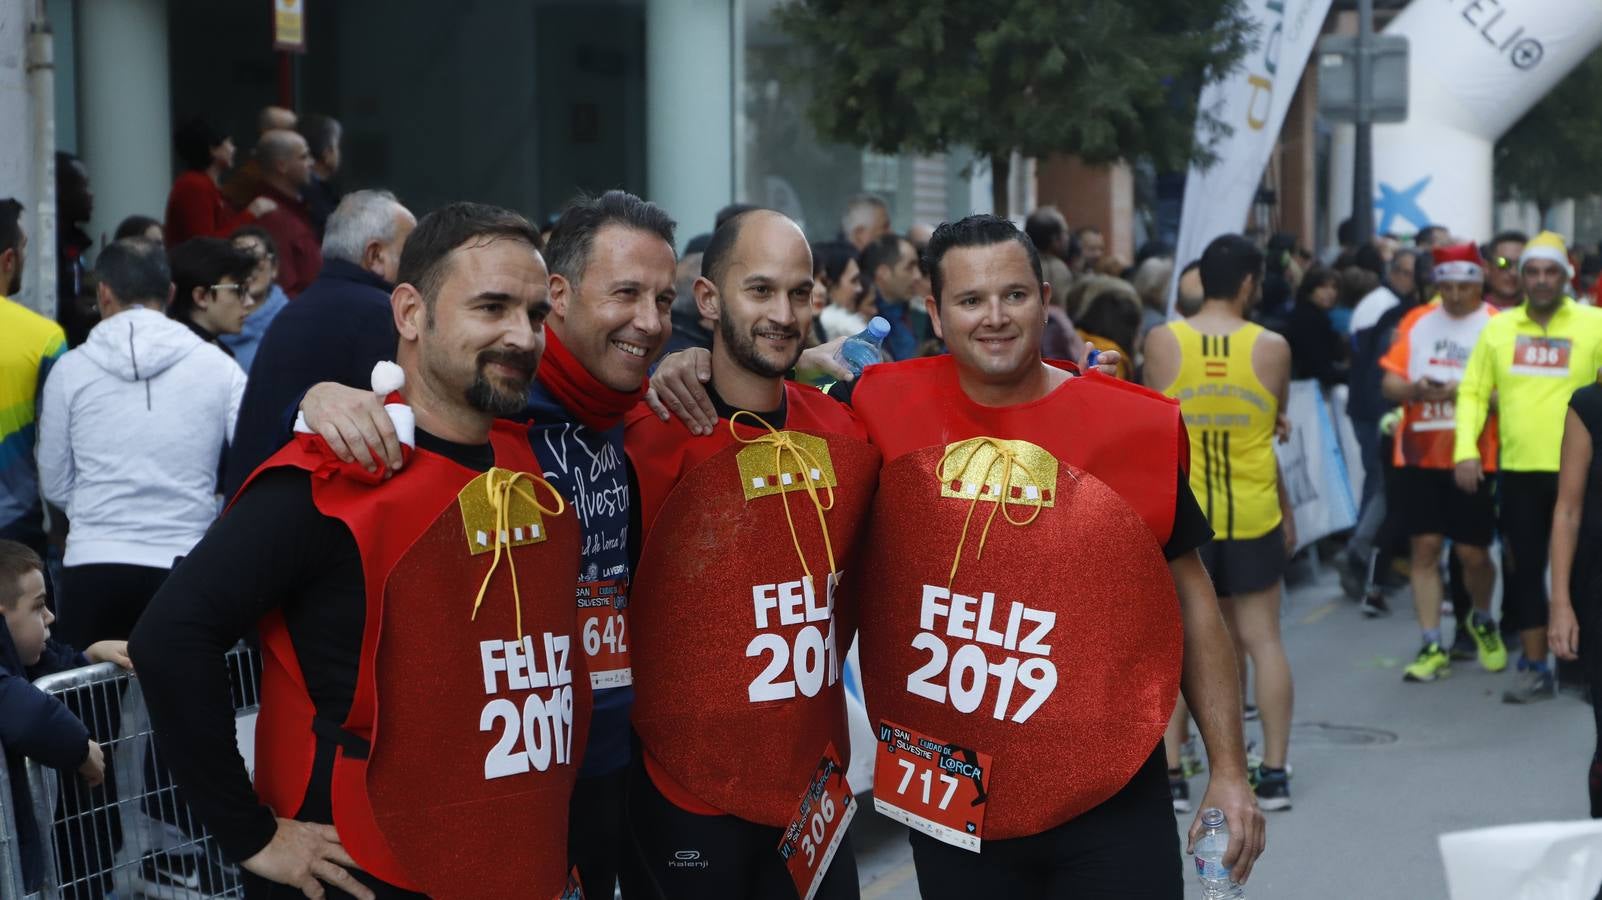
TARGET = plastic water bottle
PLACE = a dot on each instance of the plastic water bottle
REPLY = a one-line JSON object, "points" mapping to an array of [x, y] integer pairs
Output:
{"points": [[862, 349], [1215, 880]]}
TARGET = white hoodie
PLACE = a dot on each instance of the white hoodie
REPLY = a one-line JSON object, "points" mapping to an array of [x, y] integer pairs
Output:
{"points": [[131, 430]]}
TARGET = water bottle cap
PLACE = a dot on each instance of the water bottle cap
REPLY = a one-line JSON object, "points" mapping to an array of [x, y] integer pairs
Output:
{"points": [[878, 327], [1212, 817]]}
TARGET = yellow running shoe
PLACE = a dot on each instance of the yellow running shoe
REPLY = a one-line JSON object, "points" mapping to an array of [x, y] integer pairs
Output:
{"points": [[1493, 653], [1432, 663]]}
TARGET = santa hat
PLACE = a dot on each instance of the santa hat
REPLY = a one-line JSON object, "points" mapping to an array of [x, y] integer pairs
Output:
{"points": [[1459, 262], [388, 379], [1547, 245]]}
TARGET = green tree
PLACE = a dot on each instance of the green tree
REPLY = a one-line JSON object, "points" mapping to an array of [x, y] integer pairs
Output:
{"points": [[1102, 79], [1555, 151]]}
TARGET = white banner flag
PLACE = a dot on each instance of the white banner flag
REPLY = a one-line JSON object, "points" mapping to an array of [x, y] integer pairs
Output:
{"points": [[1252, 101]]}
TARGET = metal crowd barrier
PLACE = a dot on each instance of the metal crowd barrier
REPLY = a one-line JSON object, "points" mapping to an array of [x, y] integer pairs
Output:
{"points": [[134, 836]]}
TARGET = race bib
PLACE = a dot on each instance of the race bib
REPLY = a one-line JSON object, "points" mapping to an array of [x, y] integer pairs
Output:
{"points": [[1434, 416], [812, 837], [604, 631], [932, 786], [1540, 356]]}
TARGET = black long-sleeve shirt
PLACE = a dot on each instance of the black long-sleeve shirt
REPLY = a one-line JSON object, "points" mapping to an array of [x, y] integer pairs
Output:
{"points": [[272, 550]]}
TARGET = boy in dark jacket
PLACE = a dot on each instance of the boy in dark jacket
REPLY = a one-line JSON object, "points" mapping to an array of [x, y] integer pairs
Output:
{"points": [[34, 724]]}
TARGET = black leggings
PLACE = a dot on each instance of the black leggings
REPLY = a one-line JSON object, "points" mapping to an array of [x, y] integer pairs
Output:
{"points": [[1526, 525], [598, 841], [732, 858], [1125, 848]]}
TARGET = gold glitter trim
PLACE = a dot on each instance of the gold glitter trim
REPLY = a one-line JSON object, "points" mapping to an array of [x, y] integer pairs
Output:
{"points": [[973, 470], [480, 515], [760, 466]]}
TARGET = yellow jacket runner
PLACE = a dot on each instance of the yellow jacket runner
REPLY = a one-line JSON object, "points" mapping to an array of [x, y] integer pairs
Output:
{"points": [[1533, 371]]}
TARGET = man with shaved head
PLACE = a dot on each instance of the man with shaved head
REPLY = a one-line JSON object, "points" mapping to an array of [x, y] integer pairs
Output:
{"points": [[285, 163], [740, 647]]}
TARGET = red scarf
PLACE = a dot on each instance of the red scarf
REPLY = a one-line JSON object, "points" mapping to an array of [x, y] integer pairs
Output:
{"points": [[599, 407]]}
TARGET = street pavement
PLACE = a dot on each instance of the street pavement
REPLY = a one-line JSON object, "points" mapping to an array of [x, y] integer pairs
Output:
{"points": [[1381, 767]]}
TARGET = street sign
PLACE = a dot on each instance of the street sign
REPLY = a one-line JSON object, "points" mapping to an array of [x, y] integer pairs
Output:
{"points": [[289, 25], [1338, 99]]}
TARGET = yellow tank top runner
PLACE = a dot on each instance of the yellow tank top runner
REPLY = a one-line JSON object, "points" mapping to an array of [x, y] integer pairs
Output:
{"points": [[1230, 416]]}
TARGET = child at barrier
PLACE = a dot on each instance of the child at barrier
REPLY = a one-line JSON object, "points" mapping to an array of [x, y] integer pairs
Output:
{"points": [[32, 723]]}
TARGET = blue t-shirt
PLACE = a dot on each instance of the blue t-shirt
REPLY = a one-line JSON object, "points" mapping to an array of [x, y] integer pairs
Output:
{"points": [[590, 470]]}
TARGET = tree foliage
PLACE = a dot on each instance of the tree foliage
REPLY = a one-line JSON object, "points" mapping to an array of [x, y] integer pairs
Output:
{"points": [[1555, 151], [1102, 79]]}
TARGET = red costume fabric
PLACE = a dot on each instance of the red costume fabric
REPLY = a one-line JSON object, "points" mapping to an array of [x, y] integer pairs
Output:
{"points": [[1022, 606], [466, 711], [739, 641]]}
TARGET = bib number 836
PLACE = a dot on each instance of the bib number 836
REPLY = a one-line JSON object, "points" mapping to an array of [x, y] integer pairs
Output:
{"points": [[968, 678]]}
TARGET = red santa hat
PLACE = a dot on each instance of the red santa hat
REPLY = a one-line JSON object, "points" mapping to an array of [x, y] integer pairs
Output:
{"points": [[1459, 262]]}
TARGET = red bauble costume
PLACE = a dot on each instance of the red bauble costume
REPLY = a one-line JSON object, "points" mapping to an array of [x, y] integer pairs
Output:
{"points": [[737, 652], [1044, 629], [472, 712]]}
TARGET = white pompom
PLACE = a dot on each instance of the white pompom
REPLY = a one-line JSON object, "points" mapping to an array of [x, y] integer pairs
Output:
{"points": [[387, 378]]}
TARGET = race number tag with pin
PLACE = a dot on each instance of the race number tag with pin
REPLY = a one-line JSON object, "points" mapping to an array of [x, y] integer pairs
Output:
{"points": [[604, 631], [1541, 356], [812, 837], [931, 785]]}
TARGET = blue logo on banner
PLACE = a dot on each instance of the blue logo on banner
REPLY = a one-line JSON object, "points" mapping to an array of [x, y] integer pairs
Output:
{"points": [[1404, 203]]}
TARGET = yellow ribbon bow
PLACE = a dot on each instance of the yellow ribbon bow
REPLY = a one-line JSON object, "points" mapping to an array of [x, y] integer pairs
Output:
{"points": [[783, 443], [1008, 459], [502, 485]]}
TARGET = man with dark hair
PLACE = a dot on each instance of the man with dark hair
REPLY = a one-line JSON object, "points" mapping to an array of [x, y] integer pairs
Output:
{"points": [[357, 584], [336, 331], [211, 279], [131, 427], [1231, 378], [993, 423], [1503, 287], [32, 345], [611, 288], [286, 173], [75, 206], [891, 265], [323, 134], [756, 283]]}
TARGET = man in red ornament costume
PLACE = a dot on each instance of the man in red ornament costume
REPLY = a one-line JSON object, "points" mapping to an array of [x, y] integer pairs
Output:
{"points": [[738, 641], [424, 704], [1031, 601]]}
